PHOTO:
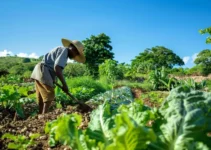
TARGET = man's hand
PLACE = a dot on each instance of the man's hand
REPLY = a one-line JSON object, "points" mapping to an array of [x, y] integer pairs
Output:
{"points": [[65, 89]]}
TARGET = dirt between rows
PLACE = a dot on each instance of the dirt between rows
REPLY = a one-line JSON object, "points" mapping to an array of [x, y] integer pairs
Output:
{"points": [[36, 124]]}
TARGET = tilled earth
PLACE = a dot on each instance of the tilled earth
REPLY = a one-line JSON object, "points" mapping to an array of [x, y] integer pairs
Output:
{"points": [[35, 124]]}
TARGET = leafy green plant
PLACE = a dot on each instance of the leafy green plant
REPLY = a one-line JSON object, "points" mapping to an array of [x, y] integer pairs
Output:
{"points": [[109, 70], [107, 129], [82, 93], [156, 97], [192, 84], [160, 79], [14, 97], [182, 122], [115, 97], [185, 120], [21, 142], [86, 82], [61, 97]]}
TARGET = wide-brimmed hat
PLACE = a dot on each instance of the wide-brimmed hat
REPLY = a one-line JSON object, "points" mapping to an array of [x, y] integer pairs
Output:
{"points": [[79, 58]]}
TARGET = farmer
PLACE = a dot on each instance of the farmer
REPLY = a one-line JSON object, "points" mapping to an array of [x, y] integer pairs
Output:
{"points": [[50, 67]]}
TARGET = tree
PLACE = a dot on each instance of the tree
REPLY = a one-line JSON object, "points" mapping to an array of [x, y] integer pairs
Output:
{"points": [[204, 60], [97, 49], [156, 57], [26, 60], [204, 31]]}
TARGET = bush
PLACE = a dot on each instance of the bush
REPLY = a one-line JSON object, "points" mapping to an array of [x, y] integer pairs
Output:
{"points": [[75, 70], [179, 71], [196, 70], [111, 70], [85, 85], [26, 60], [27, 74]]}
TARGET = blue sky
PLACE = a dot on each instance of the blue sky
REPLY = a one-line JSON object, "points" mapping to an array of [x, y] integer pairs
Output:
{"points": [[33, 27]]}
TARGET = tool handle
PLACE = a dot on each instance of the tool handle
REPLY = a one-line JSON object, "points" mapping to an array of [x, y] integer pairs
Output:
{"points": [[68, 93]]}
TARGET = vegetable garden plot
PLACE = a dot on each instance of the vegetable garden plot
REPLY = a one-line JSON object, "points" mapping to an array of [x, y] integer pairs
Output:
{"points": [[182, 122]]}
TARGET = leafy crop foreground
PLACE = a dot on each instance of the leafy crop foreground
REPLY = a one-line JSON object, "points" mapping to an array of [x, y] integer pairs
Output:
{"points": [[181, 123]]}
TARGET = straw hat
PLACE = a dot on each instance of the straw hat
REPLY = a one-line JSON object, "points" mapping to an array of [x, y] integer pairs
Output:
{"points": [[80, 58]]}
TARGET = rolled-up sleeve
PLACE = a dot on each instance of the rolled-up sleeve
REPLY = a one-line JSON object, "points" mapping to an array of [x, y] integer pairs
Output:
{"points": [[61, 58]]}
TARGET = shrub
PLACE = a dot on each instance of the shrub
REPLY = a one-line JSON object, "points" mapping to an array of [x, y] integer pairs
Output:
{"points": [[75, 70], [26, 60], [88, 84]]}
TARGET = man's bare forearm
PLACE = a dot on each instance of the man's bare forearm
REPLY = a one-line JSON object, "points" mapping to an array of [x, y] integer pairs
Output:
{"points": [[59, 74]]}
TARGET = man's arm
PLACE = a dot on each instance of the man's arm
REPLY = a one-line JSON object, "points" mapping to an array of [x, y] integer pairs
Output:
{"points": [[59, 74]]}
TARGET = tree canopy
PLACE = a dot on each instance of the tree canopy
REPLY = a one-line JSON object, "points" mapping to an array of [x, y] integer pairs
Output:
{"points": [[204, 60], [205, 31], [156, 57], [97, 49]]}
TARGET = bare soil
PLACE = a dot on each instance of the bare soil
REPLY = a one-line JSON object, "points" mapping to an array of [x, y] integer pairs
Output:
{"points": [[35, 124], [137, 93]]}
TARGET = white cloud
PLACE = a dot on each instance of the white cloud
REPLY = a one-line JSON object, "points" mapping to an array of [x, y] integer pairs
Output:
{"points": [[22, 55], [5, 53], [189, 60], [186, 59], [32, 55], [194, 56]]}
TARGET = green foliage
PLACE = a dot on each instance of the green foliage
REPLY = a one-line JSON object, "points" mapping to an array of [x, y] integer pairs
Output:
{"points": [[160, 79], [206, 31], [146, 86], [156, 57], [11, 79], [182, 122], [179, 71], [14, 97], [27, 74], [83, 88], [128, 83], [15, 64], [109, 70], [123, 69], [185, 120], [26, 60], [107, 130], [153, 96], [208, 85], [61, 97], [75, 70], [143, 67], [195, 70], [83, 93], [87, 84], [192, 84], [97, 49], [20, 141], [115, 97], [204, 60]]}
